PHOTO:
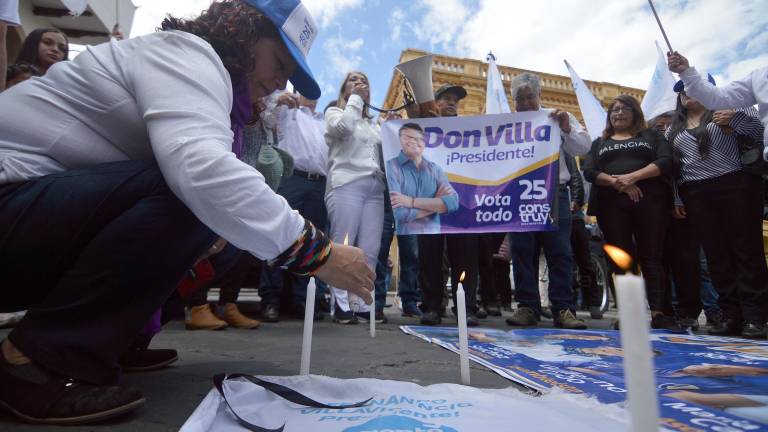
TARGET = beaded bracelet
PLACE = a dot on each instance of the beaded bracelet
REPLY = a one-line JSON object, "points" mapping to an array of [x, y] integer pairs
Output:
{"points": [[307, 254]]}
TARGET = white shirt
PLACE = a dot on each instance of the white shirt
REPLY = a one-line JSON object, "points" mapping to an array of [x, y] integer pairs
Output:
{"points": [[164, 96], [9, 12], [301, 133], [750, 90], [354, 144], [576, 143]]}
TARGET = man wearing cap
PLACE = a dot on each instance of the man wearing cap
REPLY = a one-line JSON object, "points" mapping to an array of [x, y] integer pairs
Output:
{"points": [[743, 93], [526, 91], [131, 177], [461, 248]]}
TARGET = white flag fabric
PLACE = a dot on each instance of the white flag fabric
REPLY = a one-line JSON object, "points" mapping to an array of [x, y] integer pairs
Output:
{"points": [[400, 406], [659, 98], [495, 97], [76, 7], [591, 109]]}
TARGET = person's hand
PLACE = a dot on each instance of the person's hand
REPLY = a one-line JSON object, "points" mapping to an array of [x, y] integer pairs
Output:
{"points": [[443, 190], [623, 181], [399, 200], [288, 99], [723, 118], [634, 193], [391, 115], [562, 119], [361, 90], [679, 212], [676, 62], [347, 269], [116, 33]]}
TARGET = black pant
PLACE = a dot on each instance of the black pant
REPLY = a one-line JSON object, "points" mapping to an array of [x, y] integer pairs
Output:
{"points": [[232, 272], [681, 261], [92, 253], [488, 244], [639, 229], [583, 258], [726, 213], [462, 255]]}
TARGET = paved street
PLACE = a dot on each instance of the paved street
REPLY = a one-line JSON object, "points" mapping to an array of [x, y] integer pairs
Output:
{"points": [[274, 349]]}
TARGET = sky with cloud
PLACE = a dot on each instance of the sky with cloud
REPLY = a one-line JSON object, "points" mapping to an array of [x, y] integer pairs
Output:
{"points": [[605, 40]]}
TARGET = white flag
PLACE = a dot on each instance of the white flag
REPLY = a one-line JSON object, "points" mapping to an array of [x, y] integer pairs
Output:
{"points": [[659, 98], [591, 109], [76, 7], [495, 97]]}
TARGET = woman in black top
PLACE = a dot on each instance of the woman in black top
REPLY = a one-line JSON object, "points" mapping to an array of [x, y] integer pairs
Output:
{"points": [[722, 203], [631, 197]]}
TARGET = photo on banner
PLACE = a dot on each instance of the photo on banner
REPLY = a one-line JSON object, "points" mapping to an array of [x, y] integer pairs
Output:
{"points": [[491, 173]]}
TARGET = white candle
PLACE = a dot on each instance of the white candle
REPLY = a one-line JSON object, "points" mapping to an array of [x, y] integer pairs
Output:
{"points": [[638, 356], [309, 320], [373, 315], [461, 312]]}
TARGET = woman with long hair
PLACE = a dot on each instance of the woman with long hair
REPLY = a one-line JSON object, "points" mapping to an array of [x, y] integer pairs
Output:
{"points": [[631, 197], [43, 48], [355, 183], [723, 204], [132, 175]]}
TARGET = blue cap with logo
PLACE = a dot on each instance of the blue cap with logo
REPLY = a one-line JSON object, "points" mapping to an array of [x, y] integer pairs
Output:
{"points": [[298, 30], [679, 86]]}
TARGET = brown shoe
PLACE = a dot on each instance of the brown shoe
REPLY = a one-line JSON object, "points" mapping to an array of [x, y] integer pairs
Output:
{"points": [[202, 318], [236, 319]]}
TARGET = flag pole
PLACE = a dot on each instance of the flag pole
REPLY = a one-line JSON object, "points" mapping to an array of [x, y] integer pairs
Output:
{"points": [[666, 39]]}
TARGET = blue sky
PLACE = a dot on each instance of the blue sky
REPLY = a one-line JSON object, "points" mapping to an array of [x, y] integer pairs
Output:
{"points": [[604, 40]]}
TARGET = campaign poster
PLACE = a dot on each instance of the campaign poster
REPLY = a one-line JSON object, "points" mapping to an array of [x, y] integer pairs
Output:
{"points": [[704, 383], [491, 173]]}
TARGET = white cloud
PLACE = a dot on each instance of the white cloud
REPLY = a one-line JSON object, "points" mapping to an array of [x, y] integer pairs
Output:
{"points": [[343, 55], [326, 11], [396, 21], [150, 13], [605, 41]]}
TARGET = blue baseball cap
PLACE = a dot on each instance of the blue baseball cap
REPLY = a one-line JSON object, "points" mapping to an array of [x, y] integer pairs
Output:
{"points": [[679, 86], [298, 30]]}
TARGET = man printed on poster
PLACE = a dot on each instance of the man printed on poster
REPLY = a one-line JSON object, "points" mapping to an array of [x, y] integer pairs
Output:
{"points": [[419, 189]]}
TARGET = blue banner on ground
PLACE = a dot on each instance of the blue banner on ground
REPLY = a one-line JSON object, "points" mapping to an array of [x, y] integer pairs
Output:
{"points": [[705, 383], [492, 173]]}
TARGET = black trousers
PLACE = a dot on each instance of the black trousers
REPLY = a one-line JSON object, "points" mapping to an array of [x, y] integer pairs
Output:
{"points": [[234, 268], [726, 213], [581, 256], [681, 261], [488, 244], [639, 229], [92, 253], [462, 256]]}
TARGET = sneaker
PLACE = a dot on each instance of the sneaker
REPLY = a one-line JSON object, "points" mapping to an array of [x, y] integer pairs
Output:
{"points": [[546, 312], [343, 317], [714, 318], [567, 320], [410, 309], [271, 313], [431, 318], [481, 313], [689, 323], [727, 327], [666, 322], [523, 317], [595, 312], [363, 317], [35, 395], [145, 360], [493, 310], [380, 317], [753, 330]]}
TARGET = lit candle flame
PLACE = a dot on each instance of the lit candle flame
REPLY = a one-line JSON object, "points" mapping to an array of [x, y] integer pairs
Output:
{"points": [[619, 256], [346, 239], [461, 278]]}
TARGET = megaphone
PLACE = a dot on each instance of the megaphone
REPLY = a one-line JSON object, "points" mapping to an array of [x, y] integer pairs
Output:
{"points": [[418, 74]]}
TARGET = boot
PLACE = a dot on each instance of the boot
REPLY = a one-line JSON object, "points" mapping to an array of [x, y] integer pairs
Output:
{"points": [[202, 318], [236, 319]]}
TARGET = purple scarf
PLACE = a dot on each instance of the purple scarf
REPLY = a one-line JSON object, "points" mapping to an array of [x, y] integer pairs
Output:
{"points": [[242, 111]]}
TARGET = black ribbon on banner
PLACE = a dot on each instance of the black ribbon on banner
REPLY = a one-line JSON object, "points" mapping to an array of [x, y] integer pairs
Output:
{"points": [[280, 390]]}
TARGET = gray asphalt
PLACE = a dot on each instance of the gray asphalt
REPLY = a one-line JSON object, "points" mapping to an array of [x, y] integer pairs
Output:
{"points": [[274, 349]]}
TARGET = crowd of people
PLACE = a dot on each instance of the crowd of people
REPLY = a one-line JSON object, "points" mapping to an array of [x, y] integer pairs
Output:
{"points": [[174, 162]]}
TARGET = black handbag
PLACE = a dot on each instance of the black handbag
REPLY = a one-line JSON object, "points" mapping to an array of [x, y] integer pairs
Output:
{"points": [[751, 154]]}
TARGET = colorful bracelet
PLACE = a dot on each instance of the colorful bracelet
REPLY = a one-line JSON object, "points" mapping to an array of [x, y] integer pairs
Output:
{"points": [[307, 254]]}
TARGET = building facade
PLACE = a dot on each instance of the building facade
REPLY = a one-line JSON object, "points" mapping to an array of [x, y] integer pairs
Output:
{"points": [[556, 90]]}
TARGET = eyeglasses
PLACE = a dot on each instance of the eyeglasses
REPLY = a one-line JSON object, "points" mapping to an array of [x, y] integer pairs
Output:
{"points": [[618, 109]]}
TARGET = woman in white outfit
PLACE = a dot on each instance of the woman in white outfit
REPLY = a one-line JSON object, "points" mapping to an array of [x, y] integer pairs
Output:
{"points": [[355, 188]]}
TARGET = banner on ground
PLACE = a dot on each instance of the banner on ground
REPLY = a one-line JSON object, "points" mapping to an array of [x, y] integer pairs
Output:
{"points": [[398, 406], [705, 383], [491, 173]]}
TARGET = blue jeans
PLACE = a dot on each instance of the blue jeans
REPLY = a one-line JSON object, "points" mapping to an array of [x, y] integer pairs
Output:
{"points": [[557, 250], [708, 292], [308, 197], [409, 264]]}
